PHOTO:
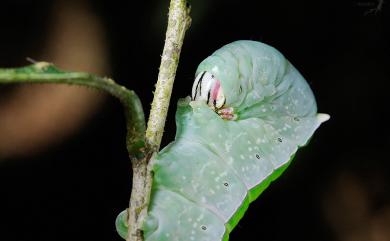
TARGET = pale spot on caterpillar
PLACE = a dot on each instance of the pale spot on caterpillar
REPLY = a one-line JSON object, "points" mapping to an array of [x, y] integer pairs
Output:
{"points": [[230, 160]]}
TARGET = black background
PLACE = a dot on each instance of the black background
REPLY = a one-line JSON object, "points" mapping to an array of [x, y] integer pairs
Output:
{"points": [[75, 190]]}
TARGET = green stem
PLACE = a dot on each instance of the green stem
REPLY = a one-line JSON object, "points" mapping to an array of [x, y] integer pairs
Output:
{"points": [[42, 72]]}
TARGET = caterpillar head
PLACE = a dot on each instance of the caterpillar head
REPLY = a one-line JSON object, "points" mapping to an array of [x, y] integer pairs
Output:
{"points": [[207, 88]]}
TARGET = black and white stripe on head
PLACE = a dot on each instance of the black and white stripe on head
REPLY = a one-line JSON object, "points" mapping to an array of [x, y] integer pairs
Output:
{"points": [[207, 88], [203, 83], [198, 84]]}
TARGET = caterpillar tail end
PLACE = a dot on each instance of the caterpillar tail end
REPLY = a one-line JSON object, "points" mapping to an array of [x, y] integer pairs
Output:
{"points": [[322, 117]]}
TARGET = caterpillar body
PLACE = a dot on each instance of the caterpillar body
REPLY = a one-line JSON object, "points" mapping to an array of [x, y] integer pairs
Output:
{"points": [[249, 112]]}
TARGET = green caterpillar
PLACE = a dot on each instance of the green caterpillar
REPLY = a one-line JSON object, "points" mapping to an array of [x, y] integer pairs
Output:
{"points": [[249, 112]]}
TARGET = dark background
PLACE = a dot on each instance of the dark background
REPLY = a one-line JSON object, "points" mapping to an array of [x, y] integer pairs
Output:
{"points": [[337, 188]]}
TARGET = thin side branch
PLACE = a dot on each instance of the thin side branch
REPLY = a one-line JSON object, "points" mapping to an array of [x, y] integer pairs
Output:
{"points": [[178, 22], [43, 72]]}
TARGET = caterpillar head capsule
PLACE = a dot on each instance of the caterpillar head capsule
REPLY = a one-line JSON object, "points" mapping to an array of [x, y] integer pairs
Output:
{"points": [[208, 88]]}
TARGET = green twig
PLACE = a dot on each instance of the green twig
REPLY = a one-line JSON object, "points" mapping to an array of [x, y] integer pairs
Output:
{"points": [[42, 72]]}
